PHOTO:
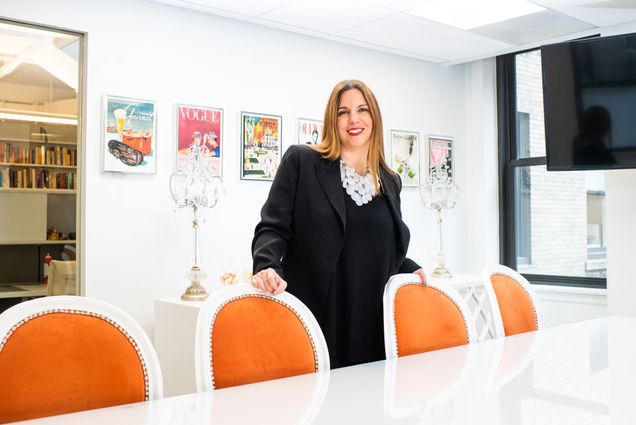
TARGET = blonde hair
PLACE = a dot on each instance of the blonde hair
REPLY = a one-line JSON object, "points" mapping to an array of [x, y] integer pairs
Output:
{"points": [[330, 146]]}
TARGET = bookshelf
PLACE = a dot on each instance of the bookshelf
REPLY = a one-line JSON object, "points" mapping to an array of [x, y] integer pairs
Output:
{"points": [[20, 290], [38, 184], [40, 242], [56, 191], [38, 155], [12, 164]]}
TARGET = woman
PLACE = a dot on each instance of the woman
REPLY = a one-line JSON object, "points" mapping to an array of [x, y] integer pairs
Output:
{"points": [[331, 230]]}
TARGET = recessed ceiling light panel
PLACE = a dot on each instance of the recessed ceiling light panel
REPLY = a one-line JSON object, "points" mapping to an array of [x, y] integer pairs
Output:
{"points": [[469, 14]]}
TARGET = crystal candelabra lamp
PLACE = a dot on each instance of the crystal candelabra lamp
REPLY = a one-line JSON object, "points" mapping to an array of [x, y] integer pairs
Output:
{"points": [[439, 193], [195, 186]]}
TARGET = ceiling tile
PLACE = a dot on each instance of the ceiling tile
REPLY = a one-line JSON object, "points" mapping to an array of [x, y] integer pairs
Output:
{"points": [[397, 30], [398, 5], [613, 4], [243, 7], [468, 14], [595, 12], [416, 56], [285, 27], [201, 7], [459, 45], [357, 43], [384, 25], [532, 28], [328, 16]]}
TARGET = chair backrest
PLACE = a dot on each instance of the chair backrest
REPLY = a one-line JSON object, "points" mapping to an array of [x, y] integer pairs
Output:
{"points": [[513, 300], [245, 335], [423, 317], [62, 278], [65, 354]]}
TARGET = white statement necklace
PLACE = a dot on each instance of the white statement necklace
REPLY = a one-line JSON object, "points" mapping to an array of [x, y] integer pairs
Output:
{"points": [[360, 188]]}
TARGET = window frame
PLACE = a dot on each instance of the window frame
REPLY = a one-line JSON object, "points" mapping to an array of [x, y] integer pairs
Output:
{"points": [[508, 163]]}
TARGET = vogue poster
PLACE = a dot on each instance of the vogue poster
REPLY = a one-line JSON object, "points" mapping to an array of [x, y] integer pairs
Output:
{"points": [[202, 126]]}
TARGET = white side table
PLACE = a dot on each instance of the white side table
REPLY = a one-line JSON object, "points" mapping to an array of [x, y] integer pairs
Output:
{"points": [[175, 325], [471, 288]]}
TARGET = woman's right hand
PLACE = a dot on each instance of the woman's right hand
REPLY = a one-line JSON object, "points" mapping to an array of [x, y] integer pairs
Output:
{"points": [[269, 281]]}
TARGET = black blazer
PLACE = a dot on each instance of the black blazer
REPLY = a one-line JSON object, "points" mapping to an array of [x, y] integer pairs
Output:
{"points": [[301, 232]]}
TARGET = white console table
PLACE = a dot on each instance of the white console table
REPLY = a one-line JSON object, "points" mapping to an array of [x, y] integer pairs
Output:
{"points": [[175, 324], [471, 288]]}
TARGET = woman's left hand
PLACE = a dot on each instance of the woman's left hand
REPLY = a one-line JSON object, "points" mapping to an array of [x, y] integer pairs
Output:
{"points": [[421, 274]]}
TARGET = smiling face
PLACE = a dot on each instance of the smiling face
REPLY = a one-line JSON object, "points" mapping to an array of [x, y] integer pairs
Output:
{"points": [[354, 120]]}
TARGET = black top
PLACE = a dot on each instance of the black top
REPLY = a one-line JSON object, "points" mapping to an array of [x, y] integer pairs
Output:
{"points": [[353, 326], [301, 234]]}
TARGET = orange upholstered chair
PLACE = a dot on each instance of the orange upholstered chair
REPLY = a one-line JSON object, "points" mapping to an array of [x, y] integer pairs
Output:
{"points": [[65, 354], [245, 335], [513, 301], [423, 317]]}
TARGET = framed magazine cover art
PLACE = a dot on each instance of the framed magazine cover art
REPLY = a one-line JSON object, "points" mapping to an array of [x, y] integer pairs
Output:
{"points": [[405, 156], [202, 125], [440, 154], [309, 131], [261, 145], [129, 142]]}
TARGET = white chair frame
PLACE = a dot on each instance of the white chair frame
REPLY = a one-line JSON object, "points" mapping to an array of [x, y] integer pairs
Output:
{"points": [[218, 299], [390, 290], [21, 313], [486, 273]]}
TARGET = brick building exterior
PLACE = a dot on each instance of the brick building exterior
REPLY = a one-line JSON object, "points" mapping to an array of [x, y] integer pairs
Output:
{"points": [[553, 214]]}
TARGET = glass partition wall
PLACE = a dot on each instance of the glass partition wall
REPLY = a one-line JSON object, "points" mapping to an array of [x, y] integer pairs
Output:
{"points": [[40, 145]]}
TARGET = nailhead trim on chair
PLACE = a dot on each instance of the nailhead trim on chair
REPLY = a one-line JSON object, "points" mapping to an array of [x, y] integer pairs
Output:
{"points": [[313, 346], [431, 287], [534, 310], [91, 314]]}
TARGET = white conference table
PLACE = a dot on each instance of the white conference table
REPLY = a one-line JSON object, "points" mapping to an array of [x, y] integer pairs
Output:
{"points": [[581, 373]]}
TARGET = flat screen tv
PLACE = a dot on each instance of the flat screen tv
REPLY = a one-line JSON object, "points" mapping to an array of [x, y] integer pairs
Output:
{"points": [[589, 96]]}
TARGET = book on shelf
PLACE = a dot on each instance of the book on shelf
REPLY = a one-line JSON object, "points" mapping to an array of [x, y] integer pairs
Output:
{"points": [[32, 178], [38, 155]]}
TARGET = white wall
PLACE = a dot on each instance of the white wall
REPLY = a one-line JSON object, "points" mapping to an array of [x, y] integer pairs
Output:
{"points": [[560, 305], [479, 206], [136, 249], [620, 201], [620, 207]]}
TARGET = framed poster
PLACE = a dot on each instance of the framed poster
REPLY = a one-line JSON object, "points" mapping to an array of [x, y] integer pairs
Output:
{"points": [[405, 156], [202, 125], [261, 145], [129, 143], [440, 154], [309, 131]]}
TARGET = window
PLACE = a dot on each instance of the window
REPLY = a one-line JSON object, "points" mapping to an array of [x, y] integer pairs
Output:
{"points": [[552, 223], [40, 158]]}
